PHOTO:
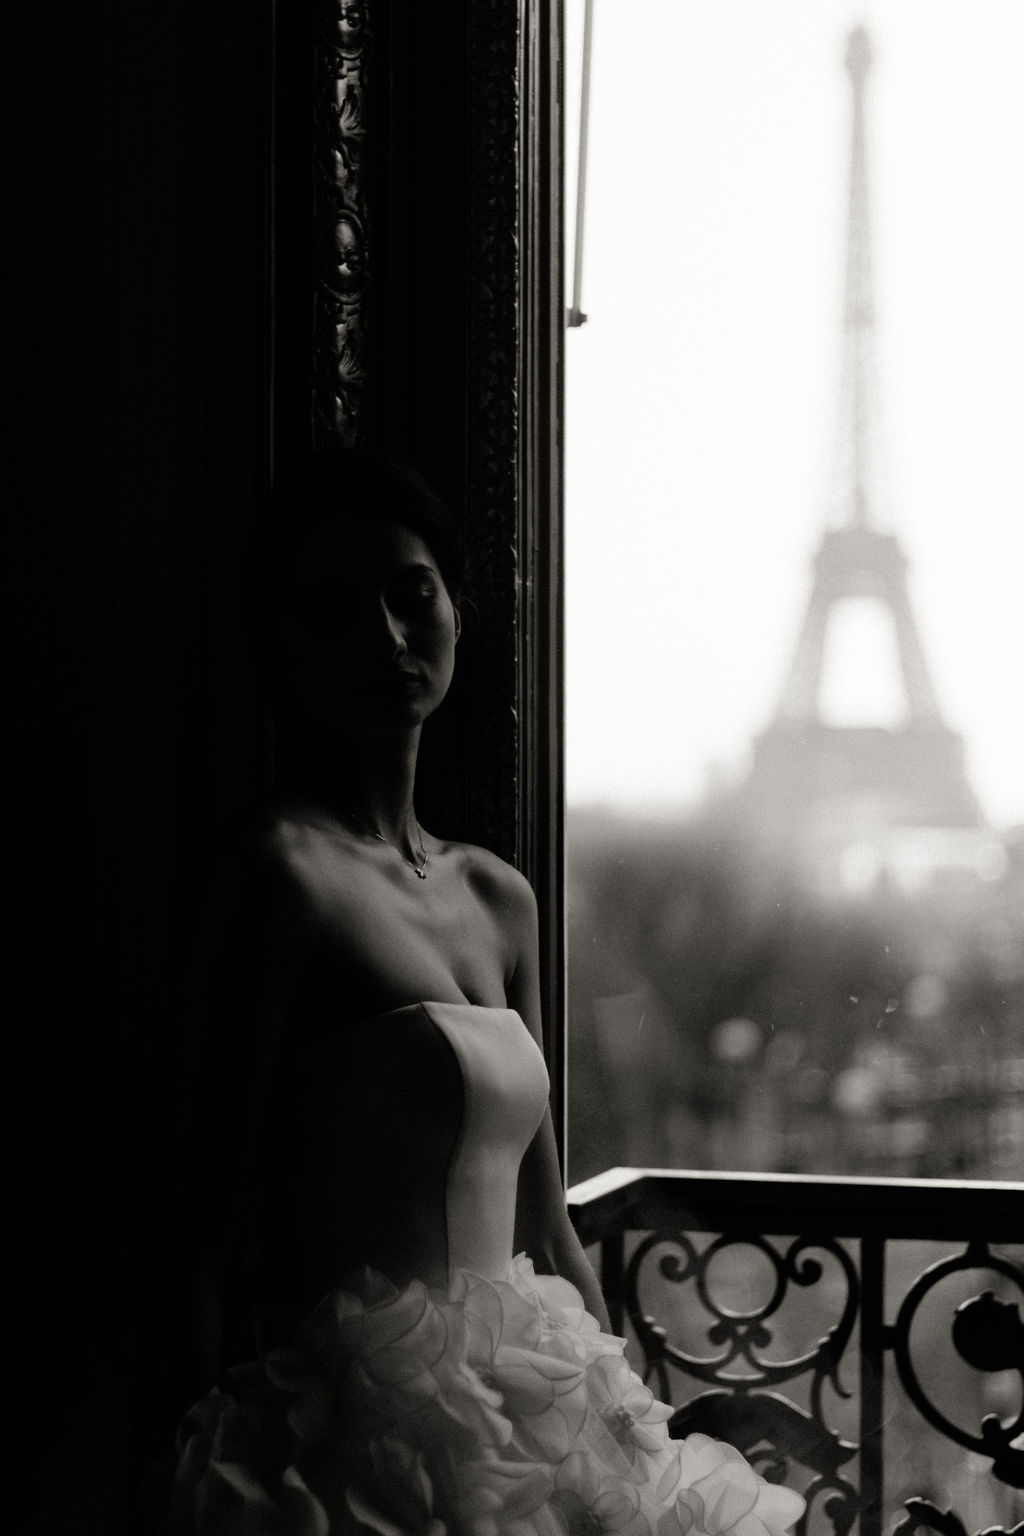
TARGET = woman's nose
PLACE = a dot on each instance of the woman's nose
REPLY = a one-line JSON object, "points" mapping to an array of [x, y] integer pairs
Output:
{"points": [[389, 633]]}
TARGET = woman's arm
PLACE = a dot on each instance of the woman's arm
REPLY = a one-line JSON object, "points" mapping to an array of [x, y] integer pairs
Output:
{"points": [[236, 996], [543, 1228]]}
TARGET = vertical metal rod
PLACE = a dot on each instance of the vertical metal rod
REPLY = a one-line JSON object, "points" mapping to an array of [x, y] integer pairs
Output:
{"points": [[872, 1383], [613, 1279], [576, 315]]}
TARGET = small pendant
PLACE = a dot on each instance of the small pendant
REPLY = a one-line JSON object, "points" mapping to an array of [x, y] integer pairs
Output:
{"points": [[422, 874]]}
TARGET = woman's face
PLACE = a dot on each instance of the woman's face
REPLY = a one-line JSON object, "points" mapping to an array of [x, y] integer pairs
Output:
{"points": [[370, 629]]}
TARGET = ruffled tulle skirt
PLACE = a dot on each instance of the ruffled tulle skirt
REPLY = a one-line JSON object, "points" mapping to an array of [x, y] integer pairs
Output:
{"points": [[497, 1408]]}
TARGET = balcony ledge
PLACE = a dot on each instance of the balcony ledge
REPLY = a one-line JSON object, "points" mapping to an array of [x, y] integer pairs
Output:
{"points": [[639, 1199]]}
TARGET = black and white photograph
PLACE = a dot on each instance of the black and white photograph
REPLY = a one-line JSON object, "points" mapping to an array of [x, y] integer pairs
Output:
{"points": [[519, 1008]]}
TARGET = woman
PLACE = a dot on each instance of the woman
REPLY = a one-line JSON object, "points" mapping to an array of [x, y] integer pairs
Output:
{"points": [[377, 991]]}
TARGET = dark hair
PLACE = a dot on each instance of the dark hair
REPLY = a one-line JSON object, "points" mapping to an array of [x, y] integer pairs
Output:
{"points": [[331, 486], [337, 483]]}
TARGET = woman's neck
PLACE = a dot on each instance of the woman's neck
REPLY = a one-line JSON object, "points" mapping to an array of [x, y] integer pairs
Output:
{"points": [[368, 780]]}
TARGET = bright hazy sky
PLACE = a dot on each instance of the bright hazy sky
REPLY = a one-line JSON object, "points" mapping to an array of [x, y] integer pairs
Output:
{"points": [[700, 401]]}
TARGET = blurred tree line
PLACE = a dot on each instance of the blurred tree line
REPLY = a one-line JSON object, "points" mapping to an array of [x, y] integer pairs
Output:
{"points": [[725, 1014]]}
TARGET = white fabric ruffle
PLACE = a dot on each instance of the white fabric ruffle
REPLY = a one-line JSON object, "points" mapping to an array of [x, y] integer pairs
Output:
{"points": [[498, 1408]]}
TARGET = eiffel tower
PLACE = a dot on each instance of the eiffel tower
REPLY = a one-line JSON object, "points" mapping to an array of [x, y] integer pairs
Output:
{"points": [[827, 787]]}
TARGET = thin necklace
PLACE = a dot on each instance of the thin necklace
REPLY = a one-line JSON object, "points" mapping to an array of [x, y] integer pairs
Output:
{"points": [[419, 869]]}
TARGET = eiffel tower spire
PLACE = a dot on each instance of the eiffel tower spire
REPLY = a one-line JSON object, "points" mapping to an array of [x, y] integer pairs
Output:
{"points": [[858, 393], [806, 771], [856, 559]]}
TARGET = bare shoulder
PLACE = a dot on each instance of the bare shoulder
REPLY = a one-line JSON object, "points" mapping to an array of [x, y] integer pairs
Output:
{"points": [[259, 878], [253, 930], [509, 898], [502, 890]]}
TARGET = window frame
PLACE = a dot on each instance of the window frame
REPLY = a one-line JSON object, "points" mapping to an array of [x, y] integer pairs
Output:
{"points": [[514, 468], [470, 385]]}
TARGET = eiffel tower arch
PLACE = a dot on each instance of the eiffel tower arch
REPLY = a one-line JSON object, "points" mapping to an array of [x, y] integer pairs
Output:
{"points": [[825, 789]]}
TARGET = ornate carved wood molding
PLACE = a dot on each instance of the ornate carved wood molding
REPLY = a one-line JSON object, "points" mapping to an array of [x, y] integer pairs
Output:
{"points": [[342, 236]]}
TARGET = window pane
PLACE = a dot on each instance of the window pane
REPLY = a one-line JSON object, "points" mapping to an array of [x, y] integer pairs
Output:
{"points": [[794, 497]]}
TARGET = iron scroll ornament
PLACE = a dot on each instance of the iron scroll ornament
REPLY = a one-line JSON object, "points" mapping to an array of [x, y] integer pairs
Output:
{"points": [[922, 1514], [740, 1406], [988, 1335]]}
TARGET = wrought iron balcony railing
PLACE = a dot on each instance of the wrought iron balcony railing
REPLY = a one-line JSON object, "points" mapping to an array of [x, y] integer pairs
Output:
{"points": [[859, 1339]]}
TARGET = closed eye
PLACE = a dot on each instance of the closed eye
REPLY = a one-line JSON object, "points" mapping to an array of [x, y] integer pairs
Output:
{"points": [[418, 588]]}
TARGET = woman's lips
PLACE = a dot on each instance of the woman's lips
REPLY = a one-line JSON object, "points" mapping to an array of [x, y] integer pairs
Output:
{"points": [[397, 681]]}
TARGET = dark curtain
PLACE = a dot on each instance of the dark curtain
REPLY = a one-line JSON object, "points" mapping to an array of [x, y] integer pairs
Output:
{"points": [[161, 373]]}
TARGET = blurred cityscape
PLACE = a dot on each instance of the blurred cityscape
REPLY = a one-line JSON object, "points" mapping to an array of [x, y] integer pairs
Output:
{"points": [[822, 970], [729, 1011]]}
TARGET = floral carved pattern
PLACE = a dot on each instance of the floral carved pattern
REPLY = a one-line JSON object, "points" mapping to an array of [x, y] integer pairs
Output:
{"points": [[342, 241]]}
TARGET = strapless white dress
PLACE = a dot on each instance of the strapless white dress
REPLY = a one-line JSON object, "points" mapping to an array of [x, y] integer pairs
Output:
{"points": [[493, 1405]]}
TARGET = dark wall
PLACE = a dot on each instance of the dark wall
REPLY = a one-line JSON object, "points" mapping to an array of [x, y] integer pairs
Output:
{"points": [[172, 371], [140, 722]]}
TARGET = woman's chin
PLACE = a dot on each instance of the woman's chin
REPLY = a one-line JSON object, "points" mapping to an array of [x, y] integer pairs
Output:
{"points": [[378, 724]]}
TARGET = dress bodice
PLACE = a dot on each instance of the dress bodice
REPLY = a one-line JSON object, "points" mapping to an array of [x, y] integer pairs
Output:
{"points": [[469, 1392], [396, 1143], [505, 1092]]}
